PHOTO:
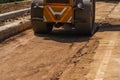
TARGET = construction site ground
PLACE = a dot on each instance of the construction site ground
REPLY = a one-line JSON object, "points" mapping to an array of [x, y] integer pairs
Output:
{"points": [[64, 54], [7, 7]]}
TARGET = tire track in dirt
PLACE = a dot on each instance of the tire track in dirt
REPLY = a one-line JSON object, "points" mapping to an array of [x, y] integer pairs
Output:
{"points": [[55, 56], [75, 60], [32, 58]]}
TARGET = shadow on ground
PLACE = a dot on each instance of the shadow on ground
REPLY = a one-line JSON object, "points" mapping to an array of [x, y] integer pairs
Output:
{"points": [[108, 27], [65, 36], [69, 36]]}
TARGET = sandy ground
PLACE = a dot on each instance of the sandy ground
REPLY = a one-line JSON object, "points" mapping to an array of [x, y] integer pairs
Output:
{"points": [[107, 55], [64, 55], [7, 7]]}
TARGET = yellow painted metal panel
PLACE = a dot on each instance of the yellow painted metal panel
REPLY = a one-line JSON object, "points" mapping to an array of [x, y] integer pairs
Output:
{"points": [[63, 13]]}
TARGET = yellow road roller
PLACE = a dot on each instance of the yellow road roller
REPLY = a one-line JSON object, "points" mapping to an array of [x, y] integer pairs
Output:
{"points": [[46, 14]]}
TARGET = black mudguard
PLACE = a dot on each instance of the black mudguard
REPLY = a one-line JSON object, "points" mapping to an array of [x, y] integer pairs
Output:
{"points": [[37, 10], [81, 14], [84, 17]]}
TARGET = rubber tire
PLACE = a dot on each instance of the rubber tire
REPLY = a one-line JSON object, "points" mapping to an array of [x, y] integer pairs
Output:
{"points": [[41, 27], [87, 28]]}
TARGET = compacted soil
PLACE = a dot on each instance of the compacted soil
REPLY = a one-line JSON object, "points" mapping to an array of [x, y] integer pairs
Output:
{"points": [[64, 54], [7, 7]]}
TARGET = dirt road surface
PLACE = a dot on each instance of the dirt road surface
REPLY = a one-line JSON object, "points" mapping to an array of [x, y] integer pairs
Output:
{"points": [[65, 55], [7, 7]]}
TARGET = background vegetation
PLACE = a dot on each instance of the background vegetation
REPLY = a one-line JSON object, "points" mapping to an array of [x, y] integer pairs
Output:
{"points": [[7, 1]]}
